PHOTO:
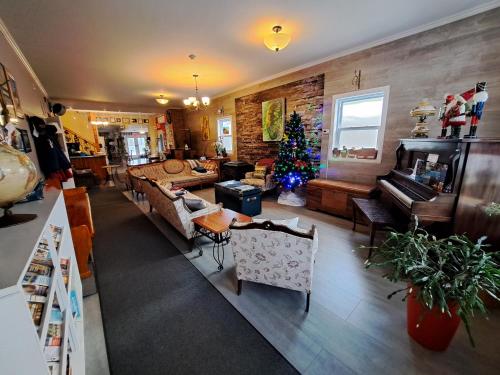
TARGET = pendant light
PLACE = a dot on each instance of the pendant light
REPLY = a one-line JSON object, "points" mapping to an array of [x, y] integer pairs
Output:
{"points": [[162, 100], [194, 102], [277, 40]]}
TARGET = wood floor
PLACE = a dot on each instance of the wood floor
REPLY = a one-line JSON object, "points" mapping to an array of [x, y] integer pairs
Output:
{"points": [[351, 327]]}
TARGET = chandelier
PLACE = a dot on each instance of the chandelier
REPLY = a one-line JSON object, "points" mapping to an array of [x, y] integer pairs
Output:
{"points": [[194, 102]]}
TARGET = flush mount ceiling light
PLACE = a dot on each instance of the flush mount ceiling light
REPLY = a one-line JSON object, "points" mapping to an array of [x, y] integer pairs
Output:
{"points": [[277, 40], [194, 102], [162, 100]]}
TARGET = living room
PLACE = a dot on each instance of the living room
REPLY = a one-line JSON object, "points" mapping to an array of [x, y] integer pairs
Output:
{"points": [[281, 188]]}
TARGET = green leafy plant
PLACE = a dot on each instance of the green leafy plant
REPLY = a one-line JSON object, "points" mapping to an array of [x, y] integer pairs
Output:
{"points": [[446, 271], [493, 209]]}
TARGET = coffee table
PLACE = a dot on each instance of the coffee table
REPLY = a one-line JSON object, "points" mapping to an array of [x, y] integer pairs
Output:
{"points": [[215, 226]]}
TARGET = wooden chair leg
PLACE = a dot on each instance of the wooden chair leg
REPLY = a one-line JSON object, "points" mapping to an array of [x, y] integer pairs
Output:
{"points": [[150, 208], [308, 301], [372, 239], [353, 217], [240, 282]]}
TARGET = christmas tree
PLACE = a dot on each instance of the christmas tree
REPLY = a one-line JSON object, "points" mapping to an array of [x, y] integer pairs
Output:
{"points": [[293, 166]]}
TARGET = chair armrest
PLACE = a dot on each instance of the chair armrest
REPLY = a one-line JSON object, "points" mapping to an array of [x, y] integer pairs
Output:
{"points": [[270, 181], [249, 175], [206, 211]]}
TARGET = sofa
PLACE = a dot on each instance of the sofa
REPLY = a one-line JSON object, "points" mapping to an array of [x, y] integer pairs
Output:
{"points": [[174, 208], [179, 173], [276, 253], [267, 183]]}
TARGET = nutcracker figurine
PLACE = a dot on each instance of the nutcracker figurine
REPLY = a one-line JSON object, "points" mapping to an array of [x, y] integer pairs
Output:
{"points": [[478, 101], [442, 114], [455, 112]]}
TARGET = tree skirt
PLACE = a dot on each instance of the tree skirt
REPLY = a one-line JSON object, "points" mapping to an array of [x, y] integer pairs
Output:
{"points": [[290, 198]]}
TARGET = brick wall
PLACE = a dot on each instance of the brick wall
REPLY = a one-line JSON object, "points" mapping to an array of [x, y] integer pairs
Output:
{"points": [[304, 96]]}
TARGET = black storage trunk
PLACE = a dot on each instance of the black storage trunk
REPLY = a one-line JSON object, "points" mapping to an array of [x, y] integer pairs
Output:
{"points": [[239, 197], [235, 170]]}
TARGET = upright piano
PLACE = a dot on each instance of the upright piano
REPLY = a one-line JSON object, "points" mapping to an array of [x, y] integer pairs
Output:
{"points": [[471, 186], [418, 199]]}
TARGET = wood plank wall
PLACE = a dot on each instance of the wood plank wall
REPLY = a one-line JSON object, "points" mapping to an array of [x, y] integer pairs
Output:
{"points": [[450, 58]]}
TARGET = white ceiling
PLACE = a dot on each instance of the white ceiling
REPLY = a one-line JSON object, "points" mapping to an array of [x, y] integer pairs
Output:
{"points": [[128, 51]]}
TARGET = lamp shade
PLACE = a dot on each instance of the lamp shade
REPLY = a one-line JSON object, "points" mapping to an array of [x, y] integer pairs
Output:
{"points": [[277, 40]]}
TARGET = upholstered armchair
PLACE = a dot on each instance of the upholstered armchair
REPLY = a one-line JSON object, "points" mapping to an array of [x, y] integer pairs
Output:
{"points": [[265, 182], [274, 254], [82, 227]]}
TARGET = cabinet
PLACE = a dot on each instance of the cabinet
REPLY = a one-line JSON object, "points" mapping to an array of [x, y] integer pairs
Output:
{"points": [[41, 310], [235, 170], [335, 197]]}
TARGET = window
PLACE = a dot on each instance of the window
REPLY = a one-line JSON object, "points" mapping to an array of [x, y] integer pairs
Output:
{"points": [[358, 123], [225, 133]]}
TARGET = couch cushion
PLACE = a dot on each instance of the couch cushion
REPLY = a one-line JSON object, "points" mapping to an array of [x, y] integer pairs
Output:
{"points": [[260, 172], [153, 171], [254, 182], [194, 204], [173, 166]]}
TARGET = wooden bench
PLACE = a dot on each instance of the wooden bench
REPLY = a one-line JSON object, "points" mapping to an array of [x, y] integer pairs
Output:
{"points": [[335, 197], [375, 214]]}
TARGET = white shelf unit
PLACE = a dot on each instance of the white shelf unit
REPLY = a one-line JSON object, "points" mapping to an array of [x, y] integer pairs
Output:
{"points": [[23, 343]]}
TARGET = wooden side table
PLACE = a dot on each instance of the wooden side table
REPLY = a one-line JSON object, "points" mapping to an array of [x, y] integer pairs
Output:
{"points": [[215, 226], [112, 171], [375, 214]]}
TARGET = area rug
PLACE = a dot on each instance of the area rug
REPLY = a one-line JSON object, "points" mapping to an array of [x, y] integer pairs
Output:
{"points": [[160, 315]]}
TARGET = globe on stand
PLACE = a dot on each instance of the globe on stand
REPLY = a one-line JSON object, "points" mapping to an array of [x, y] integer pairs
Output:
{"points": [[18, 177]]}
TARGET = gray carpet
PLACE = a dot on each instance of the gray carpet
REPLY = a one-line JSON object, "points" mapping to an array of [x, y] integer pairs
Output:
{"points": [[160, 315]]}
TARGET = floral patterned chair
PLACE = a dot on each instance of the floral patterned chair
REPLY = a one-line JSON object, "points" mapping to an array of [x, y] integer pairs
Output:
{"points": [[274, 254]]}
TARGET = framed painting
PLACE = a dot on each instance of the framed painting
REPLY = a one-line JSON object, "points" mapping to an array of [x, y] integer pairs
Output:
{"points": [[14, 93], [5, 92], [25, 140], [205, 128], [273, 120]]}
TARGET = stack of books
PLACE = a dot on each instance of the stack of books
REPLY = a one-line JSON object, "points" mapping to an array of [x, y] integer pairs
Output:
{"points": [[53, 342], [56, 235], [37, 280], [65, 263]]}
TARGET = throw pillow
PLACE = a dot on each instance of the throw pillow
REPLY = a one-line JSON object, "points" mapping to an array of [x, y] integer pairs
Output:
{"points": [[194, 204], [193, 163], [210, 166], [200, 169], [173, 166], [260, 172]]}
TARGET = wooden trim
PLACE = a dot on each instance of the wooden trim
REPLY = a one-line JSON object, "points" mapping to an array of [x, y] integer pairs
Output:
{"points": [[269, 225]]}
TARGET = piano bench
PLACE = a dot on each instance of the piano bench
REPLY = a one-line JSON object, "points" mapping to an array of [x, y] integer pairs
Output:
{"points": [[375, 214]]}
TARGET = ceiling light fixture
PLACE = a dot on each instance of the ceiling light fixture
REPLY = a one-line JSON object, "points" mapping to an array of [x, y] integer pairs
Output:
{"points": [[277, 40], [162, 100], [193, 102]]}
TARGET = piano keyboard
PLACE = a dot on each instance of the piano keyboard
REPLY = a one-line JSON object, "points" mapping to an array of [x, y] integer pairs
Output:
{"points": [[406, 200]]}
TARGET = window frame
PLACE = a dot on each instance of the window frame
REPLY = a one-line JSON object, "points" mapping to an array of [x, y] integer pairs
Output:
{"points": [[335, 130], [219, 131]]}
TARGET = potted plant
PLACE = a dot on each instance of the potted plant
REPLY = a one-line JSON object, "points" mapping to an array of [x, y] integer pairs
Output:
{"points": [[445, 278]]}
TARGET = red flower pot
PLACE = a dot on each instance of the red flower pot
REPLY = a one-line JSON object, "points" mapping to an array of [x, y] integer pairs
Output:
{"points": [[432, 329]]}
